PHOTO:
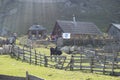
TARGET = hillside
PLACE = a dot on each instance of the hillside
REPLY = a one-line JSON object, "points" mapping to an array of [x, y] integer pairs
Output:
{"points": [[13, 67], [21, 14]]}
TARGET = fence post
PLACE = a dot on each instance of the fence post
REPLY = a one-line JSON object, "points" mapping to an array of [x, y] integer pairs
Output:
{"points": [[72, 63], [91, 64], [104, 64], [23, 54], [9, 50], [95, 52], [63, 62], [35, 58], [55, 58], [40, 58], [30, 55], [45, 59], [12, 51], [27, 76], [116, 59], [113, 63], [18, 53], [80, 61]]}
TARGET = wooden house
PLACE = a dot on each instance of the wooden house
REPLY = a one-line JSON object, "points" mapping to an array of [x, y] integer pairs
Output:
{"points": [[114, 31], [36, 32], [76, 29]]}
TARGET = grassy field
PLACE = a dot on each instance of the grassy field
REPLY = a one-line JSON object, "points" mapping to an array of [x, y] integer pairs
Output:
{"points": [[9, 66]]}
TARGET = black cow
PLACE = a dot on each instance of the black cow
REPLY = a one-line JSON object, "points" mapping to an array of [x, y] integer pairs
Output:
{"points": [[52, 51], [55, 51]]}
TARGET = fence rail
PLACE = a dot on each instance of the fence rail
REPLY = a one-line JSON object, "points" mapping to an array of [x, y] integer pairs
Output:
{"points": [[86, 60], [92, 64], [33, 57], [31, 77], [28, 77]]}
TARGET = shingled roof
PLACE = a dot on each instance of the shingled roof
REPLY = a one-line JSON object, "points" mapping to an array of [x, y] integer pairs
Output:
{"points": [[79, 27], [37, 27]]}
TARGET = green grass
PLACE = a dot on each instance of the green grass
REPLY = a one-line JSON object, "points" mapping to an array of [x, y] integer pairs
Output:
{"points": [[9, 66], [46, 51]]}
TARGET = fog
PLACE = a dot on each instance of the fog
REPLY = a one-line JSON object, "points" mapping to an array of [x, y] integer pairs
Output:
{"points": [[19, 15], [29, 12]]}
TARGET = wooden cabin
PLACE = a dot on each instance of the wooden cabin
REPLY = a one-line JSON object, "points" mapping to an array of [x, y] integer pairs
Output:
{"points": [[76, 29], [36, 32], [114, 31]]}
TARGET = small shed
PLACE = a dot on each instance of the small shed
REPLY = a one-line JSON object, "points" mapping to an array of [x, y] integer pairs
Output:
{"points": [[114, 31], [36, 32], [76, 29]]}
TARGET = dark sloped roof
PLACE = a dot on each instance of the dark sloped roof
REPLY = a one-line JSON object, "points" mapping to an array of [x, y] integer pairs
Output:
{"points": [[79, 27], [37, 27]]}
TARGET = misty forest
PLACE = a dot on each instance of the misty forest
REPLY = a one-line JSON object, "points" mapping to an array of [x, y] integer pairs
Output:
{"points": [[19, 15]]}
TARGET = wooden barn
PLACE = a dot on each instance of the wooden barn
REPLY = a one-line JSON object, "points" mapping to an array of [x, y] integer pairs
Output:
{"points": [[76, 29], [36, 32], [114, 31]]}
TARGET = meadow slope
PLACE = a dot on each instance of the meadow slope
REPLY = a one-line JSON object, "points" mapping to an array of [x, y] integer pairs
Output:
{"points": [[10, 66]]}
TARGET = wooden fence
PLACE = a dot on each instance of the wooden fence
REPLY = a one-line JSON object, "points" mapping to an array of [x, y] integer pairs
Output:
{"points": [[107, 64], [28, 77], [92, 61], [84, 42], [6, 77], [33, 57], [31, 77]]}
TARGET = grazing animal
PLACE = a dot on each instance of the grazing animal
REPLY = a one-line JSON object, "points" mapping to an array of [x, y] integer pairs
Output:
{"points": [[52, 51], [55, 51], [58, 52]]}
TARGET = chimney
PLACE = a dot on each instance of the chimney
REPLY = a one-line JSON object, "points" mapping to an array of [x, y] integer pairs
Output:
{"points": [[74, 20]]}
